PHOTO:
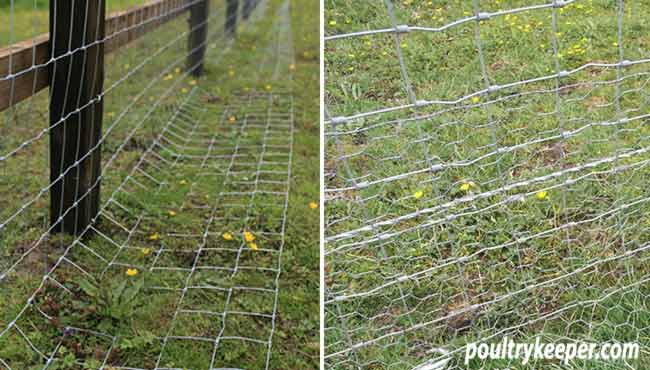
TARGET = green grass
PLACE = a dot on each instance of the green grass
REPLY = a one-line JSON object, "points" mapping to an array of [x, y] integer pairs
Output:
{"points": [[485, 238], [29, 19], [241, 68]]}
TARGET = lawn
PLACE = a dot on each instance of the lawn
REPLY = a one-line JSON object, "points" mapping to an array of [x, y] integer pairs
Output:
{"points": [[471, 193], [194, 170], [22, 20]]}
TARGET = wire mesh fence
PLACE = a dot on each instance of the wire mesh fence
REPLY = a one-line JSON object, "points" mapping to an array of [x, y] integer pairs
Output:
{"points": [[486, 176], [179, 264]]}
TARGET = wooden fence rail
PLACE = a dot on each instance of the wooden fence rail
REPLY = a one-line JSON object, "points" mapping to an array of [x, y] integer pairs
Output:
{"points": [[25, 66]]}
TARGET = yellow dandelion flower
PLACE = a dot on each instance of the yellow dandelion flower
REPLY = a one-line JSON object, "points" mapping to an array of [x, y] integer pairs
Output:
{"points": [[193, 83], [146, 251], [476, 99], [132, 272], [227, 236], [248, 236], [332, 23], [184, 90], [177, 70], [269, 87], [231, 73], [183, 182], [418, 194], [154, 236], [168, 77], [465, 186], [253, 246], [541, 195], [172, 213], [313, 205]]}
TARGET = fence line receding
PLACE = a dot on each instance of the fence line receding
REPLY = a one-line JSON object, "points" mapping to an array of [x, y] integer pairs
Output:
{"points": [[170, 108]]}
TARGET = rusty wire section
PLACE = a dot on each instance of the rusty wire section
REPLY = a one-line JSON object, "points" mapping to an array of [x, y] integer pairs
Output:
{"points": [[469, 198]]}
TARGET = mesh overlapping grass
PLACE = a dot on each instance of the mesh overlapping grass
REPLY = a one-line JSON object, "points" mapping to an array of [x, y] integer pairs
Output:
{"points": [[159, 91], [506, 200]]}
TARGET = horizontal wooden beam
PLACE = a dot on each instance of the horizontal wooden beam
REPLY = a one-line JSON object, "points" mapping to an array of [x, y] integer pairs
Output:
{"points": [[24, 66], [20, 79]]}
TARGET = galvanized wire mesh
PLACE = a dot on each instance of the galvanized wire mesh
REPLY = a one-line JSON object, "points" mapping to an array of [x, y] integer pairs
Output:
{"points": [[208, 267], [486, 175]]}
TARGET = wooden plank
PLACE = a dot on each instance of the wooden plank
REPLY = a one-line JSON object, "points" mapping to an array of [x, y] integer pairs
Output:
{"points": [[24, 67], [75, 113], [20, 57]]}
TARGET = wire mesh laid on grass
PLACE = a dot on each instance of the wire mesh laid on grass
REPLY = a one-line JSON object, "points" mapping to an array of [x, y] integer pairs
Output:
{"points": [[486, 175], [180, 267]]}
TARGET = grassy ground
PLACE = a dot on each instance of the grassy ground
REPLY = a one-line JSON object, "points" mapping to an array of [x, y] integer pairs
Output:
{"points": [[299, 290], [156, 220], [27, 19], [535, 222]]}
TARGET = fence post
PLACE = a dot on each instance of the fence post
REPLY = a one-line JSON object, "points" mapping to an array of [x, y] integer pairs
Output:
{"points": [[232, 8], [76, 80], [198, 36], [248, 8]]}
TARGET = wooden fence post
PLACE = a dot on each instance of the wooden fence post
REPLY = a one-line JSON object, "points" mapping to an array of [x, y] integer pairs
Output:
{"points": [[198, 36], [76, 81], [232, 7], [248, 8]]}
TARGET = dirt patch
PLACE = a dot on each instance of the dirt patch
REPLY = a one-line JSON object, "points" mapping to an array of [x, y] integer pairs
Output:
{"points": [[36, 259], [595, 102], [552, 153]]}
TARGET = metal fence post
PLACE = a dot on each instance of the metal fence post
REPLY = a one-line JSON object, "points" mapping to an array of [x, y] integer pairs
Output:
{"points": [[232, 8], [77, 29], [198, 37]]}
